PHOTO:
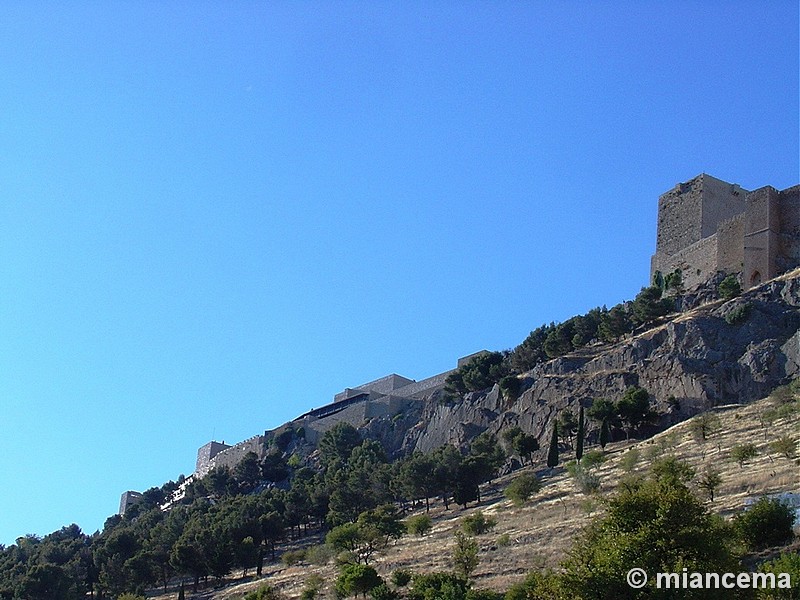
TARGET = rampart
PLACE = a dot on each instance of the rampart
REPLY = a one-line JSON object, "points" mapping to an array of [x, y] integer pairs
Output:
{"points": [[706, 226]]}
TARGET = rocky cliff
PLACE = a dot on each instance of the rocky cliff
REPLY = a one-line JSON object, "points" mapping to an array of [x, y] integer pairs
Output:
{"points": [[719, 353]]}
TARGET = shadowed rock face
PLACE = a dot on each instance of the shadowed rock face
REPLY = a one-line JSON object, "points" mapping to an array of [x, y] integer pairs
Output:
{"points": [[697, 358]]}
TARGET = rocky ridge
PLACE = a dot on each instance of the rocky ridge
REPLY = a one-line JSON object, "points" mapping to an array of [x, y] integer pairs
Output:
{"points": [[690, 362]]}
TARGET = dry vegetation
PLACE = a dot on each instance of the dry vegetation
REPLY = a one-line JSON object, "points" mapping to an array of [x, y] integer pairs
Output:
{"points": [[540, 533]]}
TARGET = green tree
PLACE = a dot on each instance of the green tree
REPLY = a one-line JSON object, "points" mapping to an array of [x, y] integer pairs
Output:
{"points": [[418, 525], [552, 453], [649, 305], [477, 523], [709, 482], [248, 473], [729, 287], [741, 453], [704, 425], [614, 324], [465, 555], [605, 434], [580, 435], [767, 523], [356, 579], [338, 442], [657, 525], [522, 488], [634, 409]]}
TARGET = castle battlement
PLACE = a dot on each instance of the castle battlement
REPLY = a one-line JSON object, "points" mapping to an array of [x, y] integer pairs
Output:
{"points": [[706, 226]]}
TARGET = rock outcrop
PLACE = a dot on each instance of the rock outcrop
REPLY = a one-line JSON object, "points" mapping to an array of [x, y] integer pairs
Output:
{"points": [[722, 352]]}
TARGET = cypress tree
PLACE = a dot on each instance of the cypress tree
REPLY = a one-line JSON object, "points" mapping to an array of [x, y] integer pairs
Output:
{"points": [[605, 434], [181, 593], [579, 441], [552, 454]]}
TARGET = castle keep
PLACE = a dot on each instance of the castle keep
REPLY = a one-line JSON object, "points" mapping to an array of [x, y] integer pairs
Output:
{"points": [[707, 225]]}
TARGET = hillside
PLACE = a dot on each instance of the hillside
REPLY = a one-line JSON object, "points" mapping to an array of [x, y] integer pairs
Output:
{"points": [[541, 532]]}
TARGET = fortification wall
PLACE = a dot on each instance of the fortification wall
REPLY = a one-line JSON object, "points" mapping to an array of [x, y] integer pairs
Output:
{"points": [[789, 242], [232, 456], [721, 201], [679, 218], [697, 262], [730, 245], [423, 387]]}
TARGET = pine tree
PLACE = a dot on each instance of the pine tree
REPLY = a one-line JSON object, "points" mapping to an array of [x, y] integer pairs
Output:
{"points": [[580, 434], [552, 454]]}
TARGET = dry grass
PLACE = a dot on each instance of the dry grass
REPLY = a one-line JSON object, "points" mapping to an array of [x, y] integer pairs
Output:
{"points": [[541, 533]]}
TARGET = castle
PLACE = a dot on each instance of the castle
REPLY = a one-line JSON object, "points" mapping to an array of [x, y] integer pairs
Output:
{"points": [[707, 225]]}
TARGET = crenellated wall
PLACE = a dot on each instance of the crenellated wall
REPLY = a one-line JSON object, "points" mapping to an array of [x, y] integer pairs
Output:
{"points": [[706, 225]]}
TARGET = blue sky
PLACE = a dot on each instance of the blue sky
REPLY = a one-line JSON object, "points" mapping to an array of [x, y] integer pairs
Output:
{"points": [[214, 216]]}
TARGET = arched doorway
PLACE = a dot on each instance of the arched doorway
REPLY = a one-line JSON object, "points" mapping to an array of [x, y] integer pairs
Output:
{"points": [[755, 279]]}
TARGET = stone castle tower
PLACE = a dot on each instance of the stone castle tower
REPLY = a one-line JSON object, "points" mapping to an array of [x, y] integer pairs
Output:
{"points": [[707, 225]]}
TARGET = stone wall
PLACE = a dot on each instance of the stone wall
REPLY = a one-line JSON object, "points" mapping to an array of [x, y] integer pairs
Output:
{"points": [[697, 262], [730, 245], [789, 243], [232, 456], [423, 387], [205, 454]]}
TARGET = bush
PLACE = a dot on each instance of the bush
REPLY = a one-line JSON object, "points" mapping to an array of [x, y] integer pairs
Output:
{"points": [[320, 555], [265, 592], [768, 522], [356, 579], [438, 585], [130, 597], [401, 577], [418, 524], [592, 459], [383, 592], [522, 488], [314, 584], [292, 557], [738, 315], [477, 523], [503, 540], [788, 562], [629, 459], [743, 452], [586, 480], [729, 287]]}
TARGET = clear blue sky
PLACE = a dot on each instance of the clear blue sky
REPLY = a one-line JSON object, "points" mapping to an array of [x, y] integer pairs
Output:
{"points": [[214, 216]]}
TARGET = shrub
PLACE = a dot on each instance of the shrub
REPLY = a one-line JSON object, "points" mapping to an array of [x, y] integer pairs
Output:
{"points": [[356, 579], [629, 459], [418, 524], [130, 597], [292, 557], [738, 315], [477, 523], [787, 562], [522, 488], [383, 592], [438, 585], [768, 522], [784, 445], [743, 452], [265, 592], [592, 459], [503, 541], [401, 577], [586, 480], [320, 555], [729, 287], [314, 584]]}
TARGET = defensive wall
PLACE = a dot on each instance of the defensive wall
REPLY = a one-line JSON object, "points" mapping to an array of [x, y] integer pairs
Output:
{"points": [[383, 397], [706, 225]]}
